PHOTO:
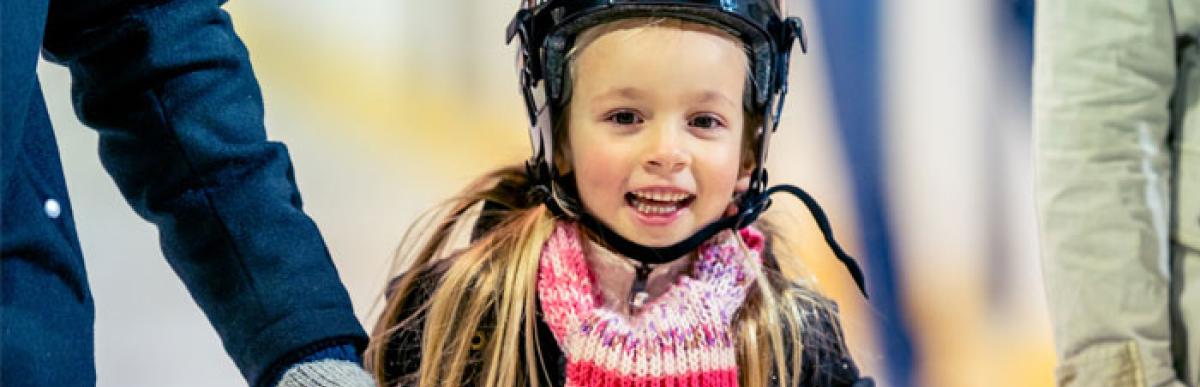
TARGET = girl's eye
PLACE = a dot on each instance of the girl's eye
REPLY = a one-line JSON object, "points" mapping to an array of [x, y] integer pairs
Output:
{"points": [[625, 118], [705, 122]]}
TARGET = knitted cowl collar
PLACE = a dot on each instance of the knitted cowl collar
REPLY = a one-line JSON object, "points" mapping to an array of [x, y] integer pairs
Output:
{"points": [[681, 338]]}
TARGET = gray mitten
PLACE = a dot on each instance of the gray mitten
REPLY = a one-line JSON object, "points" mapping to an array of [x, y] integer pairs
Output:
{"points": [[326, 373]]}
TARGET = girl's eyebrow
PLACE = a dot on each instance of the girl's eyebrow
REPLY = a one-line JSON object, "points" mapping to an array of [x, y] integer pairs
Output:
{"points": [[706, 96], [712, 96], [622, 93]]}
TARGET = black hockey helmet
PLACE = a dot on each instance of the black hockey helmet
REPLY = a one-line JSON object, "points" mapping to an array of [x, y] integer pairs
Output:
{"points": [[545, 31]]}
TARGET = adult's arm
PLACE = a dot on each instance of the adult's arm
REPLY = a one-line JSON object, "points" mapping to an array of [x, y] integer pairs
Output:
{"points": [[169, 87], [1104, 73]]}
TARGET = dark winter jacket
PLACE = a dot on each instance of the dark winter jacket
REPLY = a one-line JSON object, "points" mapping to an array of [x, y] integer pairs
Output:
{"points": [[826, 360]]}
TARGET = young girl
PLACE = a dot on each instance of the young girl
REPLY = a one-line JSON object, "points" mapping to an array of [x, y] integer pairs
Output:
{"points": [[625, 252]]}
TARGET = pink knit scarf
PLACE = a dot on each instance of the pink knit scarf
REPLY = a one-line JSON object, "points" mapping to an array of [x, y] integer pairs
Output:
{"points": [[682, 338]]}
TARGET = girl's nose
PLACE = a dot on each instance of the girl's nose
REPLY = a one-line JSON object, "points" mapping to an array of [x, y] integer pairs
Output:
{"points": [[666, 154]]}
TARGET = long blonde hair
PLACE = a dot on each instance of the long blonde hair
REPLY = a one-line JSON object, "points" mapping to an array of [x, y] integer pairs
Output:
{"points": [[495, 278]]}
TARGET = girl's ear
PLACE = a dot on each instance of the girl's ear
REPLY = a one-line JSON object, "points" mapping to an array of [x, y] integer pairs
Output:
{"points": [[743, 185], [743, 181], [562, 160], [749, 161], [563, 155]]}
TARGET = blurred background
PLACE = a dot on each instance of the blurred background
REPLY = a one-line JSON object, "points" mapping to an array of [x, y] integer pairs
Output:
{"points": [[909, 121]]}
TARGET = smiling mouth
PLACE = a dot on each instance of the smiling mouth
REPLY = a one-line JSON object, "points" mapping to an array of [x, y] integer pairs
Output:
{"points": [[658, 203]]}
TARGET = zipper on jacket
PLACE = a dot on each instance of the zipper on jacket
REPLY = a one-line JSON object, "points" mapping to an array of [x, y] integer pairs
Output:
{"points": [[637, 293]]}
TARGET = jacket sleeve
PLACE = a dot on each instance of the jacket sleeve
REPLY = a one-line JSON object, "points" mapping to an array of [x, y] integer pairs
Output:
{"points": [[825, 359], [403, 351], [402, 356], [169, 87], [1104, 73]]}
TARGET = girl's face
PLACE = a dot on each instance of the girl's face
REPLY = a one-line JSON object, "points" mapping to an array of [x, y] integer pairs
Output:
{"points": [[655, 129]]}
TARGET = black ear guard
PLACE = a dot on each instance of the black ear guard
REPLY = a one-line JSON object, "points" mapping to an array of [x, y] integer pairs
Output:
{"points": [[546, 33]]}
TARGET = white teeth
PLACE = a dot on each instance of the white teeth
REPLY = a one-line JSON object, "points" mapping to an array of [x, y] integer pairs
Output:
{"points": [[658, 202], [651, 209], [661, 196]]}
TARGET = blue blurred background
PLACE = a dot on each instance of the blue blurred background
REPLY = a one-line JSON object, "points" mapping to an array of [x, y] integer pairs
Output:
{"points": [[909, 121]]}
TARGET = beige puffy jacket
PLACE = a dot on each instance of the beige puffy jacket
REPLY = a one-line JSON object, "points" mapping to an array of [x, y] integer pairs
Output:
{"points": [[1117, 147]]}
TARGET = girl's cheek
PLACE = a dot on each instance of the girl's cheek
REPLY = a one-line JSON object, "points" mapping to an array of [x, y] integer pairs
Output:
{"points": [[599, 175]]}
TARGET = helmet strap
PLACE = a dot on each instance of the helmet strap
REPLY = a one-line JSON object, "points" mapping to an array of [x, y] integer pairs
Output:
{"points": [[752, 205]]}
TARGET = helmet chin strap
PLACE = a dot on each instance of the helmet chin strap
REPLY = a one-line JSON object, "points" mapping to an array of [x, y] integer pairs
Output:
{"points": [[639, 252], [751, 205]]}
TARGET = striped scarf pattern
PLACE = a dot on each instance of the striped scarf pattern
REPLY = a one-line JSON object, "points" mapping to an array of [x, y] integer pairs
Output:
{"points": [[682, 338]]}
